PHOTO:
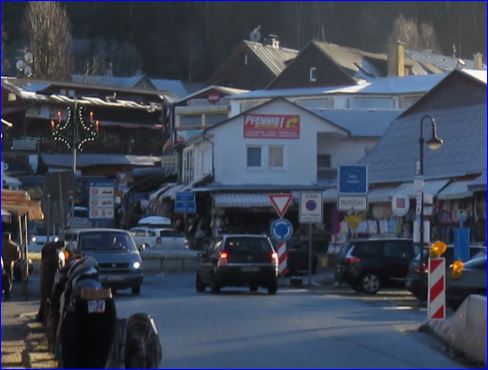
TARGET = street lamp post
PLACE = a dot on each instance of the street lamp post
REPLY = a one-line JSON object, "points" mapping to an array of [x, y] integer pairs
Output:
{"points": [[433, 143]]}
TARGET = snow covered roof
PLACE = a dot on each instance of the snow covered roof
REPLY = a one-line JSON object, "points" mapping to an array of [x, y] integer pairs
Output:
{"points": [[381, 85], [362, 123]]}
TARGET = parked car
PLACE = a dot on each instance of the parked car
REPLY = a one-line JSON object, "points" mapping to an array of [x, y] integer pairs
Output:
{"points": [[78, 218], [416, 281], [154, 221], [39, 237], [164, 238], [238, 260], [368, 264], [115, 252], [471, 281]]}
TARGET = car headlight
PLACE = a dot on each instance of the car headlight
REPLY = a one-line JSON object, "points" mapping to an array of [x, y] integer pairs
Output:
{"points": [[136, 265], [33, 239], [56, 238]]}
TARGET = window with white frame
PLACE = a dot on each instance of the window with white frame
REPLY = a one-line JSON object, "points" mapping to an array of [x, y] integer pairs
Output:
{"points": [[187, 175], [254, 157], [373, 102], [312, 74], [276, 157], [408, 100], [314, 103]]}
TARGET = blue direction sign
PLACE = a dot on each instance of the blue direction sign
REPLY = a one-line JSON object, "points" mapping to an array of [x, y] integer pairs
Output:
{"points": [[281, 229], [353, 179], [185, 202]]}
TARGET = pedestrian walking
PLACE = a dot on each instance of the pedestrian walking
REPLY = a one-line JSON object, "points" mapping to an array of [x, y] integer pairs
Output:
{"points": [[10, 254]]}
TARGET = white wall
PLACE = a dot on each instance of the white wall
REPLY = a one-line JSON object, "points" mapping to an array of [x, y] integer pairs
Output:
{"points": [[345, 150], [300, 154]]}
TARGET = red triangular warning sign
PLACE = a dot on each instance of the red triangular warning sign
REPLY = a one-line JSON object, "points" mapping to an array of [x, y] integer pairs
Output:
{"points": [[281, 202]]}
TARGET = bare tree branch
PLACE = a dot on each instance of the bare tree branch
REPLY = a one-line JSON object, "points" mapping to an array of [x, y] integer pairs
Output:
{"points": [[48, 33]]}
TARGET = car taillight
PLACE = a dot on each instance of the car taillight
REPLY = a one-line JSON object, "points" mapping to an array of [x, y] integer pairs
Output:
{"points": [[352, 259], [273, 257], [223, 258], [158, 240]]}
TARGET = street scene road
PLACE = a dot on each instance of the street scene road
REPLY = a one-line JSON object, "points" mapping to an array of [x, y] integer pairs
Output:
{"points": [[296, 328], [244, 185]]}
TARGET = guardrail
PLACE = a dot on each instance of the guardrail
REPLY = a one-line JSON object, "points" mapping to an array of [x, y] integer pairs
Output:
{"points": [[169, 260]]}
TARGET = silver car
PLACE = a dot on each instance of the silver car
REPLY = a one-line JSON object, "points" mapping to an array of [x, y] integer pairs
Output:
{"points": [[116, 253]]}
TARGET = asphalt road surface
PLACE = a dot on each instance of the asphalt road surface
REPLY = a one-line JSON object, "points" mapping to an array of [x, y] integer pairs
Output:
{"points": [[296, 328]]}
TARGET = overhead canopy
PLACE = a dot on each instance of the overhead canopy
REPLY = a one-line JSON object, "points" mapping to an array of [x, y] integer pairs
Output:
{"points": [[241, 200], [430, 187], [456, 190], [18, 203]]}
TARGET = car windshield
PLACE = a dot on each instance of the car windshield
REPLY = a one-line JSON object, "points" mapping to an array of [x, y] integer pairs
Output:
{"points": [[106, 241], [247, 244]]}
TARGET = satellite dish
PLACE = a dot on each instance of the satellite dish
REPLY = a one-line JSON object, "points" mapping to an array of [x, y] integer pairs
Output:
{"points": [[28, 57], [20, 65], [28, 70]]}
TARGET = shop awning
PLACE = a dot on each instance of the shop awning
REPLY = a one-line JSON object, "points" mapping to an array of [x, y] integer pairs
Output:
{"points": [[19, 203], [479, 183], [430, 187], [154, 196], [171, 192], [241, 200], [381, 195], [456, 190]]}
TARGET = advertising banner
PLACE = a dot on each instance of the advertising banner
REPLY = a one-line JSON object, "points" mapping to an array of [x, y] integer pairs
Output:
{"points": [[271, 126]]}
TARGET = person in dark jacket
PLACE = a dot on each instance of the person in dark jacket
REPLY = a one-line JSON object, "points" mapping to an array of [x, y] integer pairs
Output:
{"points": [[10, 254]]}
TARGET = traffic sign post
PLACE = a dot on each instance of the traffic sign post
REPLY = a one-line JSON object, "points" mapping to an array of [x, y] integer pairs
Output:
{"points": [[353, 188], [281, 202], [101, 201], [185, 202], [310, 213], [281, 229]]}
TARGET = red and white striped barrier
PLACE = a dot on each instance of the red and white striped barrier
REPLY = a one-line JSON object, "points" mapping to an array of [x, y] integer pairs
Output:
{"points": [[436, 303], [282, 258]]}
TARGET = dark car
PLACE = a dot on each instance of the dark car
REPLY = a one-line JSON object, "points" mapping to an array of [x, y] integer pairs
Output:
{"points": [[368, 264], [416, 281], [238, 260], [471, 281]]}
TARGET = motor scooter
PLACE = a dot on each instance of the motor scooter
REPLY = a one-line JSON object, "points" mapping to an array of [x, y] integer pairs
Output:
{"points": [[86, 329]]}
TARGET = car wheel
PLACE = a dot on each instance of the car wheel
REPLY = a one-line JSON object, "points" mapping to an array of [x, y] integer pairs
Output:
{"points": [[273, 287], [215, 288], [370, 283], [136, 290], [253, 288], [198, 284]]}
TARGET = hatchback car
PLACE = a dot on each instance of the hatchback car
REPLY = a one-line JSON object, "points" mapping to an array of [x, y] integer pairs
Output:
{"points": [[238, 260], [368, 264], [416, 281], [115, 252], [471, 281], [159, 238]]}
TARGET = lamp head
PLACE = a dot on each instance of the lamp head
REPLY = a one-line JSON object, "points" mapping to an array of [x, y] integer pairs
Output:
{"points": [[434, 142]]}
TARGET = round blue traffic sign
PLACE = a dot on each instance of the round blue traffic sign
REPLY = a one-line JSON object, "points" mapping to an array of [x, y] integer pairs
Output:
{"points": [[281, 229]]}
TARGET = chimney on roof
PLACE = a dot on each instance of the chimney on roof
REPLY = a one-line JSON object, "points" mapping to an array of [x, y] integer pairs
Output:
{"points": [[396, 59], [478, 61], [273, 41]]}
